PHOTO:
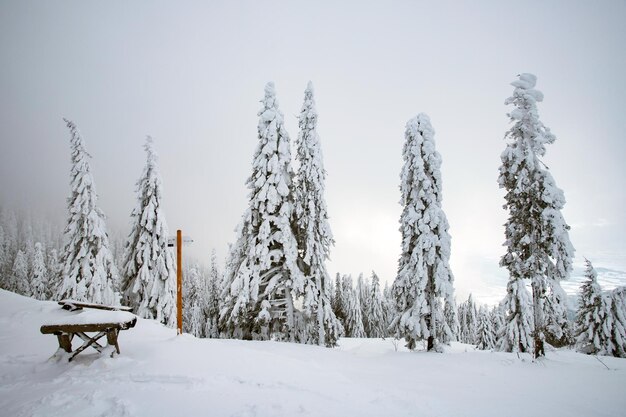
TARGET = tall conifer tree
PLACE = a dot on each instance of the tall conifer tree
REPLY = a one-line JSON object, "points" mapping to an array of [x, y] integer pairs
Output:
{"points": [[149, 272], [263, 278], [312, 228], [424, 279], [537, 239], [89, 273]]}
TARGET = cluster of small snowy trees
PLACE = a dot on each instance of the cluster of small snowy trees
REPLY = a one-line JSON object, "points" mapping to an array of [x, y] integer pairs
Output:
{"points": [[28, 255], [201, 299], [362, 309]]}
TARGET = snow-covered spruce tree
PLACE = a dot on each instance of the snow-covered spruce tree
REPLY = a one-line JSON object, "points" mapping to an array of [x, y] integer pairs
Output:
{"points": [[149, 285], [558, 329], [194, 301], [468, 321], [262, 275], [485, 333], [55, 269], [39, 282], [516, 333], [339, 307], [312, 229], [537, 239], [497, 321], [618, 323], [424, 278], [451, 319], [354, 318], [376, 314], [88, 268], [362, 286], [592, 327], [20, 283], [390, 309], [212, 304]]}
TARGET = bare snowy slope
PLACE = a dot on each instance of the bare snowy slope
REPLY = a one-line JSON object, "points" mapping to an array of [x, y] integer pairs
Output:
{"points": [[160, 374]]}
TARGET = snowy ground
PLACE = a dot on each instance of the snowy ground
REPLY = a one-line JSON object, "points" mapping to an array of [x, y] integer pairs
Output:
{"points": [[160, 374]]}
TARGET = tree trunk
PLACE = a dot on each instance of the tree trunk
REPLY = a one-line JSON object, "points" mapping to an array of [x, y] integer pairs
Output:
{"points": [[538, 334], [431, 343], [432, 305]]}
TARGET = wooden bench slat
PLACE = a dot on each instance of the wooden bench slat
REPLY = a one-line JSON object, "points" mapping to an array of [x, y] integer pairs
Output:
{"points": [[76, 328], [69, 304]]}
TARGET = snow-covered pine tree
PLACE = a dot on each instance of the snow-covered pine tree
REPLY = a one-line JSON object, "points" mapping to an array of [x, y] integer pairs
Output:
{"points": [[39, 282], [618, 323], [20, 283], [88, 268], [592, 328], [354, 319], [54, 268], [390, 310], [212, 304], [537, 239], [377, 319], [364, 296], [194, 298], [262, 274], [468, 321], [497, 321], [338, 301], [312, 229], [149, 283], [516, 333], [558, 329], [451, 319], [424, 278], [485, 333]]}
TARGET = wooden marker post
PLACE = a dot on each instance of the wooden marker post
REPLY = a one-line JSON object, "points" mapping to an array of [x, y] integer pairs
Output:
{"points": [[179, 281]]}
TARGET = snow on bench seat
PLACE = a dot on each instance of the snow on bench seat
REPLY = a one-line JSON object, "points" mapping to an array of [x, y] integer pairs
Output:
{"points": [[88, 316]]}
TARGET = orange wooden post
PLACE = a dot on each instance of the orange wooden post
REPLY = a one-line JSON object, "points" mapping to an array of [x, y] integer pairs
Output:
{"points": [[179, 281]]}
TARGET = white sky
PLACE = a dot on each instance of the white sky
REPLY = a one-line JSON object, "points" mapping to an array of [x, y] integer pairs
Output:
{"points": [[191, 74]]}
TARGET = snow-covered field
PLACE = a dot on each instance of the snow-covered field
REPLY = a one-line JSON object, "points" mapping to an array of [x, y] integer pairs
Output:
{"points": [[160, 374]]}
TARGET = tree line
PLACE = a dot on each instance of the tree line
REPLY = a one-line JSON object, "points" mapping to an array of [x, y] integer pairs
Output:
{"points": [[275, 285]]}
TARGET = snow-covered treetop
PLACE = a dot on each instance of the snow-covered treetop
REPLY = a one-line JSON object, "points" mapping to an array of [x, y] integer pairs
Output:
{"points": [[271, 176], [83, 198], [423, 222], [311, 210], [79, 154], [528, 127], [422, 161]]}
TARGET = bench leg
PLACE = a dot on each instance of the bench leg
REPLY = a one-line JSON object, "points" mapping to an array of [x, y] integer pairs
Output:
{"points": [[86, 345], [112, 340], [65, 342]]}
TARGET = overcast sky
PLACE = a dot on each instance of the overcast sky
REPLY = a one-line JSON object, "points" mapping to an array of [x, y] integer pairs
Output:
{"points": [[191, 74]]}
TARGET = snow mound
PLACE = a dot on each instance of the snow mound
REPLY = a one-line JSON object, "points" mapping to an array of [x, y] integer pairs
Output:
{"points": [[161, 374]]}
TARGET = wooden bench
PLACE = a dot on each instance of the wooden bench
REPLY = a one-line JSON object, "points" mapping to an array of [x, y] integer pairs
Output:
{"points": [[83, 318]]}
